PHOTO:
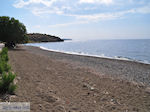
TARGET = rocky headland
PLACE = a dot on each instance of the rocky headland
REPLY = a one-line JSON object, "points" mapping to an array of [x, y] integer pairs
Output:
{"points": [[37, 37]]}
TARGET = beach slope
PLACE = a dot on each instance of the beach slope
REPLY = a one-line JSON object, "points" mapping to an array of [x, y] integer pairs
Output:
{"points": [[57, 82]]}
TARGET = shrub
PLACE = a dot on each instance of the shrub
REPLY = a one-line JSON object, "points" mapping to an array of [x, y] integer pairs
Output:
{"points": [[4, 54], [4, 50], [6, 83], [6, 77], [12, 88], [4, 57], [4, 67]]}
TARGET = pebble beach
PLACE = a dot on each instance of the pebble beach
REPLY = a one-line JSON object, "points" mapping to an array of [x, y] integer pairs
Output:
{"points": [[59, 82]]}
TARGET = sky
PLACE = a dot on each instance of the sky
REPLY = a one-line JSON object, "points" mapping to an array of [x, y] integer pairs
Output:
{"points": [[82, 19]]}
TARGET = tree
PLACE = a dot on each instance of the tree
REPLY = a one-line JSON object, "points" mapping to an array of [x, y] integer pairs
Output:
{"points": [[12, 32]]}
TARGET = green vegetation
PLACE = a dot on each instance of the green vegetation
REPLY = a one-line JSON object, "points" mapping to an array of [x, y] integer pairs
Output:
{"points": [[6, 83], [3, 54], [4, 67], [6, 76], [12, 32]]}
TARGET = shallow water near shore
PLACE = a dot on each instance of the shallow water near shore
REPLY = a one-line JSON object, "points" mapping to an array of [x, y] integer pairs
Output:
{"points": [[135, 50]]}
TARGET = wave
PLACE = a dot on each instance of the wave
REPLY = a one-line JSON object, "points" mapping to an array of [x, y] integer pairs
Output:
{"points": [[99, 56]]}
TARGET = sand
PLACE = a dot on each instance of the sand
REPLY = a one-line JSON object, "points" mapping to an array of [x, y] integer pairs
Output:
{"points": [[57, 82]]}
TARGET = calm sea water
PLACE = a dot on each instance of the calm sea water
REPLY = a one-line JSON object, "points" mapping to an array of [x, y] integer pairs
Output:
{"points": [[137, 50]]}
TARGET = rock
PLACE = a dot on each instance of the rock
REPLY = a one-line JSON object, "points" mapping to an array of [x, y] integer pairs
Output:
{"points": [[105, 92], [94, 101], [75, 108], [40, 105], [85, 85], [60, 108], [103, 99], [147, 90], [50, 99], [91, 88], [18, 78], [12, 96], [113, 101]]}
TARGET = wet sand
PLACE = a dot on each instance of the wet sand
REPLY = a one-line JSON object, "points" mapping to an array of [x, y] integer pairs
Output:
{"points": [[58, 82]]}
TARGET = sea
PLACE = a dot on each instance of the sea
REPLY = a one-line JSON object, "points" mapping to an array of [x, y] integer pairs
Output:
{"points": [[131, 49]]}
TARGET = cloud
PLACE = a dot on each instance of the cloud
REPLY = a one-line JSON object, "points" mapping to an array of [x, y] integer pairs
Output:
{"points": [[83, 14], [85, 19], [97, 1], [41, 11], [143, 10], [69, 24], [22, 3], [111, 15], [68, 7]]}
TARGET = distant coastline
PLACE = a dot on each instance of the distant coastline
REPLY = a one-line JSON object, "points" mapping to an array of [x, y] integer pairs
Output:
{"points": [[37, 38]]}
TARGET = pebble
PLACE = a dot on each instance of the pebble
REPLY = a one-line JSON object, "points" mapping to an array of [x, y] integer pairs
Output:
{"points": [[147, 90]]}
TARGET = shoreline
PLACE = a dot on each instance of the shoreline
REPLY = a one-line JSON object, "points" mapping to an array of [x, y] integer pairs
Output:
{"points": [[124, 69], [57, 82], [97, 56]]}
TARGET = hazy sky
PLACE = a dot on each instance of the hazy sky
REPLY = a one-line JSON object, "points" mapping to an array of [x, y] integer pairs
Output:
{"points": [[82, 19]]}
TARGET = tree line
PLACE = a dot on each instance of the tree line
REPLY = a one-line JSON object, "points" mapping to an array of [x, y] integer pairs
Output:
{"points": [[12, 32]]}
